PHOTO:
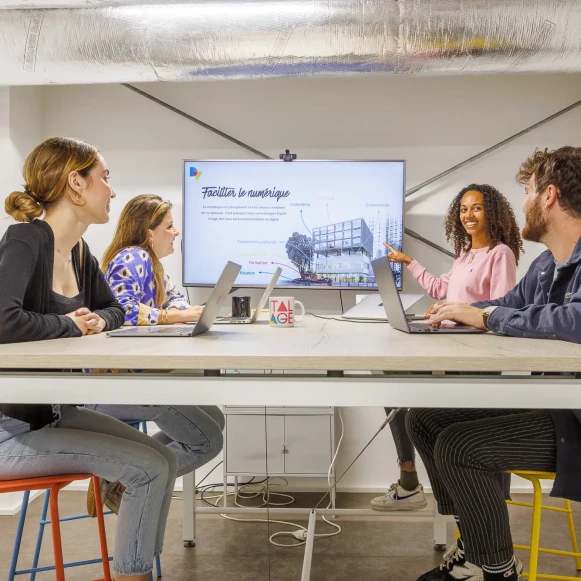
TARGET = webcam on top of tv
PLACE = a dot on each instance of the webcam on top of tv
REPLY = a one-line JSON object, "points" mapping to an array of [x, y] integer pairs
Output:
{"points": [[287, 156]]}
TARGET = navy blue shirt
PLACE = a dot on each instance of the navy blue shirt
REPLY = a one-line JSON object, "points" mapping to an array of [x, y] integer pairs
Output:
{"points": [[547, 305]]}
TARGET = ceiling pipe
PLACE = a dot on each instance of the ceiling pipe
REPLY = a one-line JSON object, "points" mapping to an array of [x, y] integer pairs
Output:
{"points": [[220, 39]]}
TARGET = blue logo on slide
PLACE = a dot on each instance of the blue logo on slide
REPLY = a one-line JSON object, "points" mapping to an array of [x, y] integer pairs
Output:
{"points": [[194, 173]]}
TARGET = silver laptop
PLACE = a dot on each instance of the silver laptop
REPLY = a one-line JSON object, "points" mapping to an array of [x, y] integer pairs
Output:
{"points": [[371, 308], [207, 318], [394, 309], [265, 296]]}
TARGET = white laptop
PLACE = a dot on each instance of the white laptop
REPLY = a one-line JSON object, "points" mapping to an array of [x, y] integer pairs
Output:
{"points": [[265, 296], [207, 318]]}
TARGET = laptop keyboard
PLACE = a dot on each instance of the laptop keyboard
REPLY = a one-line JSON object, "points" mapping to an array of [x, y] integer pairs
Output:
{"points": [[423, 328], [233, 319], [170, 331]]}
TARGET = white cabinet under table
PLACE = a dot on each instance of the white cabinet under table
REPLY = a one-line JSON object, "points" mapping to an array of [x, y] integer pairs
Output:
{"points": [[279, 441]]}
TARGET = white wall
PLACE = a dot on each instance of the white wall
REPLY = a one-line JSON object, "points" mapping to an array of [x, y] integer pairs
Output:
{"points": [[20, 131], [433, 123]]}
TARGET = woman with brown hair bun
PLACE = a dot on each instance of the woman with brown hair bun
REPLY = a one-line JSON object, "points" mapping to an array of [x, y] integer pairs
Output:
{"points": [[67, 182], [50, 287]]}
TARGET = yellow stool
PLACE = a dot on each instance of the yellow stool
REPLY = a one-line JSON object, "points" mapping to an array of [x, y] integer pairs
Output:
{"points": [[537, 505]]}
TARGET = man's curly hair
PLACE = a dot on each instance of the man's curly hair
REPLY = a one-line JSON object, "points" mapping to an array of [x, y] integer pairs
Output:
{"points": [[560, 168], [501, 225]]}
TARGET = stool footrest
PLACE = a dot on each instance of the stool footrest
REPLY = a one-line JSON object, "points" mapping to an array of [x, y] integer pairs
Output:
{"points": [[52, 567], [75, 517], [555, 577], [543, 507], [550, 551]]}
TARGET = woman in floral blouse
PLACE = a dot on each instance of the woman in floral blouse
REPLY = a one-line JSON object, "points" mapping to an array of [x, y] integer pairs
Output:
{"points": [[145, 234]]}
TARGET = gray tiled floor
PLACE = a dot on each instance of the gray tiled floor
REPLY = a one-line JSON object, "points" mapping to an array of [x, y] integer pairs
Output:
{"points": [[397, 549]]}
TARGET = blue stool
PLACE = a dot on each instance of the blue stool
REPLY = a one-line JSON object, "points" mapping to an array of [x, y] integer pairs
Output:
{"points": [[13, 572]]}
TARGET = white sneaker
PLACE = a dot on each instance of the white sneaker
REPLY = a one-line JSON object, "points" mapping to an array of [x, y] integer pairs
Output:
{"points": [[398, 498], [455, 567]]}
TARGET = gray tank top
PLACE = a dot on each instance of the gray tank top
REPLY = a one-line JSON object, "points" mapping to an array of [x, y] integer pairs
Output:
{"points": [[61, 305]]}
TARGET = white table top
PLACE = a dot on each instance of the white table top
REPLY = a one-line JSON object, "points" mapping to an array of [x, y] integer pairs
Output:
{"points": [[314, 344]]}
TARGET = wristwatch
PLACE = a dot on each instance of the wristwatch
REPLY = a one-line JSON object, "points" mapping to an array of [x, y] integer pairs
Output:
{"points": [[485, 314]]}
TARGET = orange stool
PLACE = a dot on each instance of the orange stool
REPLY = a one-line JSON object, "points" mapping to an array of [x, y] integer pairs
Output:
{"points": [[55, 484]]}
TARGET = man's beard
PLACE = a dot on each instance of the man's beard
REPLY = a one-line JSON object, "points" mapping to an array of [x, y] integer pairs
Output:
{"points": [[535, 224]]}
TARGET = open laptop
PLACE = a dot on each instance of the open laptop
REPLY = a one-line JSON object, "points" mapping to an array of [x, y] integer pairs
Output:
{"points": [[394, 309], [207, 318], [265, 296], [371, 308]]}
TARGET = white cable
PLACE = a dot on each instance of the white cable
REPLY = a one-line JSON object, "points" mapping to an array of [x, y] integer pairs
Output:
{"points": [[264, 489], [301, 533], [329, 478], [265, 492]]}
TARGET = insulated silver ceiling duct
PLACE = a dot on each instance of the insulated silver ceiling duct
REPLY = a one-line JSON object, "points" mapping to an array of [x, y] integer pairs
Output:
{"points": [[30, 4], [220, 39]]}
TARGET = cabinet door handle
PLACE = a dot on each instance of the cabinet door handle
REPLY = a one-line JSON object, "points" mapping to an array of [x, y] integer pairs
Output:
{"points": [[284, 448]]}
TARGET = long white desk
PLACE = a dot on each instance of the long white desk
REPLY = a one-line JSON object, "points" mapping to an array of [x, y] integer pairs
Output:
{"points": [[348, 352], [315, 344]]}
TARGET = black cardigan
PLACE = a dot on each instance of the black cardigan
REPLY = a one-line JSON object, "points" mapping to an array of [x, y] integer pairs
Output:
{"points": [[26, 270]]}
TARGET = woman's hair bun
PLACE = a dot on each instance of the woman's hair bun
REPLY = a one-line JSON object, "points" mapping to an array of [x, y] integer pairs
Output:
{"points": [[22, 207]]}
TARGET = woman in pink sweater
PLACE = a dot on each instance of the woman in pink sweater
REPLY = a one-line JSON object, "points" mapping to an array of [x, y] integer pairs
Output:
{"points": [[487, 243]]}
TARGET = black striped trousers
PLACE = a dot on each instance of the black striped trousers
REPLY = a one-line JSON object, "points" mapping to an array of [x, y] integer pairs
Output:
{"points": [[462, 450]]}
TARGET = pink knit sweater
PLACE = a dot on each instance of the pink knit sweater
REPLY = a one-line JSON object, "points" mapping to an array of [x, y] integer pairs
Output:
{"points": [[477, 275]]}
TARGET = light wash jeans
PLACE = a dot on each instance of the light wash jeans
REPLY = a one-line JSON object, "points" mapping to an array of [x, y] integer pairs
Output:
{"points": [[85, 441], [192, 433]]}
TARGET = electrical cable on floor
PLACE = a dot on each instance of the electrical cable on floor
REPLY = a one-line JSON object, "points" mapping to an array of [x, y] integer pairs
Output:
{"points": [[200, 488], [263, 490], [300, 534]]}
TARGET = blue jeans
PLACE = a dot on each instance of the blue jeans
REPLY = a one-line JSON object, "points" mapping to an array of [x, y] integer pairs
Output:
{"points": [[85, 441], [192, 433]]}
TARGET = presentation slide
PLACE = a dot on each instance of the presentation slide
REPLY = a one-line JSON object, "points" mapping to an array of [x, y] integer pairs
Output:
{"points": [[322, 222]]}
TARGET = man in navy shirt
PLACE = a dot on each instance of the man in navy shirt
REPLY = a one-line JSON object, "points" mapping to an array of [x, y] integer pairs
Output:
{"points": [[463, 449]]}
